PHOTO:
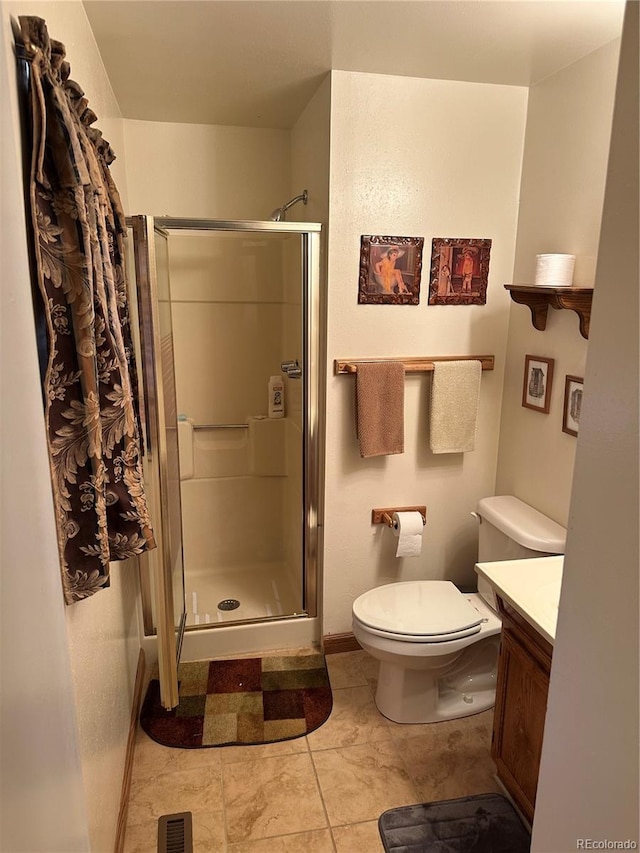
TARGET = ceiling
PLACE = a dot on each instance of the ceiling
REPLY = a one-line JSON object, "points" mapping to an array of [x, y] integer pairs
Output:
{"points": [[256, 63]]}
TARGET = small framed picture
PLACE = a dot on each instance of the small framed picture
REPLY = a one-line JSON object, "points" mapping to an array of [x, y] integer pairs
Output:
{"points": [[459, 271], [538, 377], [572, 404], [390, 270]]}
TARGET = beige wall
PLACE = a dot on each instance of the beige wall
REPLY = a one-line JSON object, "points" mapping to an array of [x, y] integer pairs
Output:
{"points": [[423, 158], [588, 784], [310, 156], [41, 796], [67, 672], [206, 171], [563, 175]]}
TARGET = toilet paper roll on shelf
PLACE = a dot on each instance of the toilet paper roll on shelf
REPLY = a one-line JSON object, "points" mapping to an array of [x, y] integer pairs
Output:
{"points": [[554, 270], [408, 527]]}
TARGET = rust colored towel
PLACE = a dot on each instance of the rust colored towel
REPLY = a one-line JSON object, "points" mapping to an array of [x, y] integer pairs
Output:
{"points": [[380, 408]]}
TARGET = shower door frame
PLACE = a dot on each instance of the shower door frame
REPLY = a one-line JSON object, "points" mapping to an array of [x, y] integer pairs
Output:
{"points": [[169, 636], [311, 261]]}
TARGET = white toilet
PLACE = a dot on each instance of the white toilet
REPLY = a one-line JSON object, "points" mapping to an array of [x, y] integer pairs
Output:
{"points": [[437, 646]]}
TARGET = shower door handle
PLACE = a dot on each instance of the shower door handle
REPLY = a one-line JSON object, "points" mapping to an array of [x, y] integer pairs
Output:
{"points": [[292, 369]]}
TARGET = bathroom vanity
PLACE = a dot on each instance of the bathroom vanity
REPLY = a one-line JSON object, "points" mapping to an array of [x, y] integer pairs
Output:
{"points": [[527, 592]]}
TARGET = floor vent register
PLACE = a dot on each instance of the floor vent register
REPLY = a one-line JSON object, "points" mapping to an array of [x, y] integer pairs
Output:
{"points": [[175, 833]]}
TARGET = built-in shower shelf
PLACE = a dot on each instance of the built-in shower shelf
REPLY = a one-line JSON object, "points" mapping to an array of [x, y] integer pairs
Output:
{"points": [[538, 300]]}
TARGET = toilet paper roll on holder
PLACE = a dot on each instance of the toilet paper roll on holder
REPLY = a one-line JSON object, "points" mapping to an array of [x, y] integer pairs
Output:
{"points": [[385, 514]]}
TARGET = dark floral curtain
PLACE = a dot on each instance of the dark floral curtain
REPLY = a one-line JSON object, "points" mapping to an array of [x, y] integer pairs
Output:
{"points": [[89, 383]]}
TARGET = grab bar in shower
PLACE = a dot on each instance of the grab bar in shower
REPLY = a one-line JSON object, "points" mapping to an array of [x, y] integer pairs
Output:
{"points": [[221, 426]]}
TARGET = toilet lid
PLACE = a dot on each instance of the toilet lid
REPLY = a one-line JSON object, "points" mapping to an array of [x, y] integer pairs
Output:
{"points": [[417, 608]]}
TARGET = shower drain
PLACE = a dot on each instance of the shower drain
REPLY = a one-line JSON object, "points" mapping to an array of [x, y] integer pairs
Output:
{"points": [[228, 604]]}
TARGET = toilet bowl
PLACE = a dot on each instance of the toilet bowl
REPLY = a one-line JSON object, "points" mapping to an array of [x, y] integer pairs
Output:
{"points": [[445, 671], [438, 647]]}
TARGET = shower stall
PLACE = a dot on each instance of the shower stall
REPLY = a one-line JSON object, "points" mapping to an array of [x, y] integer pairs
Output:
{"points": [[221, 307]]}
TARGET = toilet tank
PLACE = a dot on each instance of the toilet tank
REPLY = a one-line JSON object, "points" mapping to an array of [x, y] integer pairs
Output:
{"points": [[512, 530]]}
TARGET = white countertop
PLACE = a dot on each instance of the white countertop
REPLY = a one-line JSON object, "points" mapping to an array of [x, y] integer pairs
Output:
{"points": [[532, 587]]}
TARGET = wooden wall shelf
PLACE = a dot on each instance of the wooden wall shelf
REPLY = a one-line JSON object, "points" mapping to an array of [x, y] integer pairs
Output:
{"points": [[538, 300]]}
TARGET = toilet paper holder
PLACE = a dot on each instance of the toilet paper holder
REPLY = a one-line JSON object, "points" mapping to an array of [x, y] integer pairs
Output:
{"points": [[385, 515]]}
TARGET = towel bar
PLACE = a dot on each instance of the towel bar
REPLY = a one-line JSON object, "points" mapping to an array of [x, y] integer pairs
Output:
{"points": [[412, 364], [221, 426], [385, 515]]}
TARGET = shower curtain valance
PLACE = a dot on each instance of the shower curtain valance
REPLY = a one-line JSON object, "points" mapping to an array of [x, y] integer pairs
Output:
{"points": [[89, 381]]}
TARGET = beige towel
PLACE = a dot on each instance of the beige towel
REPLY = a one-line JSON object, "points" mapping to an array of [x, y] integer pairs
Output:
{"points": [[455, 391], [380, 408]]}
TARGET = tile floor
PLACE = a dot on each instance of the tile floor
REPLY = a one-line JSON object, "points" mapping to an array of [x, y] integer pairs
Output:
{"points": [[322, 793]]}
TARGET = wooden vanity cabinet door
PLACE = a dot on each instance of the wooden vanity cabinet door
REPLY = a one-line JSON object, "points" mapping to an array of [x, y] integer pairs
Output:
{"points": [[521, 705]]}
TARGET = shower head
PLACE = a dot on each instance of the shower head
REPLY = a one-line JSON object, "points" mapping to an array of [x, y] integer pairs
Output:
{"points": [[280, 213]]}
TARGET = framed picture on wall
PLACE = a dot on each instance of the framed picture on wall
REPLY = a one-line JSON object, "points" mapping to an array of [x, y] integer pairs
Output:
{"points": [[459, 271], [538, 378], [390, 270], [572, 404]]}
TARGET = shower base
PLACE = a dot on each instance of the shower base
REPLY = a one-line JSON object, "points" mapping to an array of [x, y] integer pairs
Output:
{"points": [[262, 590]]}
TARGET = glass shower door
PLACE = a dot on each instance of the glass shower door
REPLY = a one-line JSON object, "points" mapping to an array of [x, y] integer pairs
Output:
{"points": [[238, 306], [162, 570]]}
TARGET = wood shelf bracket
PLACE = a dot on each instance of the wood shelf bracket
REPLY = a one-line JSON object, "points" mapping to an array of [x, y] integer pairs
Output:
{"points": [[538, 300]]}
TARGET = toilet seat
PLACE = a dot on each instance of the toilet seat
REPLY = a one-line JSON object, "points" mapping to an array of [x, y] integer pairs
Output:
{"points": [[423, 638], [417, 612]]}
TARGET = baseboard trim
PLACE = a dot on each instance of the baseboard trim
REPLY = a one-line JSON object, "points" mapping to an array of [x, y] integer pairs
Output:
{"points": [[121, 826], [334, 643]]}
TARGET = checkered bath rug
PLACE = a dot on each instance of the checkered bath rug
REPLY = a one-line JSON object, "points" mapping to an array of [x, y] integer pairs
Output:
{"points": [[243, 701]]}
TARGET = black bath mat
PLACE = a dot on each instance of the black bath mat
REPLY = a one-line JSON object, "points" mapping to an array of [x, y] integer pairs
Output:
{"points": [[486, 823], [241, 701]]}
